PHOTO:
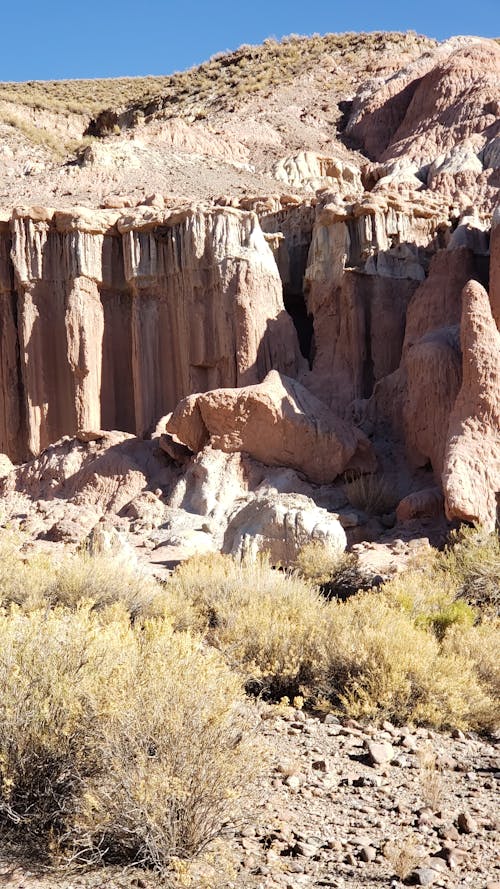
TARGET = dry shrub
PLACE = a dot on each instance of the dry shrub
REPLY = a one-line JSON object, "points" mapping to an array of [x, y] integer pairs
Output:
{"points": [[374, 494], [370, 656], [404, 854], [472, 561], [481, 646], [337, 573], [118, 743], [380, 665], [269, 624], [35, 581]]}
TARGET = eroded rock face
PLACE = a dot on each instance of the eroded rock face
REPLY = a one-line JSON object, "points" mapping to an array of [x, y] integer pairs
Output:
{"points": [[495, 266], [108, 320], [279, 423], [311, 171], [280, 526], [471, 473], [366, 261], [440, 115]]}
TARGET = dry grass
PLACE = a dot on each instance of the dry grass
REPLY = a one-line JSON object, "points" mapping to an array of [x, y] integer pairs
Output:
{"points": [[404, 854], [431, 779], [216, 83], [374, 494], [118, 743]]}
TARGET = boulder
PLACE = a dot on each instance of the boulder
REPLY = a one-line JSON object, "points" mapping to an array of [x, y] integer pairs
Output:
{"points": [[280, 526], [471, 473], [426, 503], [278, 422], [6, 465]]}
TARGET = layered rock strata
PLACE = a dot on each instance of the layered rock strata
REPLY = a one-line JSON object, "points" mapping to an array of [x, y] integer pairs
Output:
{"points": [[107, 320]]}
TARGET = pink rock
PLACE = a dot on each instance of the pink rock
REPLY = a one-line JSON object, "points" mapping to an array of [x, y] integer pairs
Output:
{"points": [[425, 503], [278, 422], [471, 473]]}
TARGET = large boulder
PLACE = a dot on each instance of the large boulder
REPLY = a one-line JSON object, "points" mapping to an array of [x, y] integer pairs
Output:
{"points": [[471, 473], [280, 526], [279, 423]]}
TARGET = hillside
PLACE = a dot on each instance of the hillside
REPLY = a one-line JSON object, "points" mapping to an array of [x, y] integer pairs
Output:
{"points": [[235, 115]]}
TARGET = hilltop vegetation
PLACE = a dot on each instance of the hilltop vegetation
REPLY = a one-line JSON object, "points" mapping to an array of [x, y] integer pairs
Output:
{"points": [[216, 83]]}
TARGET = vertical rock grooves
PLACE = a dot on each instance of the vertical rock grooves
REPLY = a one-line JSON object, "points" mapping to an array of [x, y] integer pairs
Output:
{"points": [[107, 321]]}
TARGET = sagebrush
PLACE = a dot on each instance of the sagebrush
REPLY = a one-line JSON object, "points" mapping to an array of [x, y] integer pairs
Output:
{"points": [[118, 743]]}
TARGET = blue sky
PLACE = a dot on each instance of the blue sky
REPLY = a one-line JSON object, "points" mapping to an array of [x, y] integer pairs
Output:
{"points": [[53, 39]]}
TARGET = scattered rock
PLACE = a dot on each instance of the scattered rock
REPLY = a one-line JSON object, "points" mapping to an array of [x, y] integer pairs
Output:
{"points": [[379, 752]]}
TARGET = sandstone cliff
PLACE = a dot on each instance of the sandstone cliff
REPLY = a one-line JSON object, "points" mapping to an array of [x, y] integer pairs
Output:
{"points": [[109, 320]]}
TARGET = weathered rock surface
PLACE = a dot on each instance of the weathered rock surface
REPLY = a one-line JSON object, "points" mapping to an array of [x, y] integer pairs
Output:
{"points": [[102, 475], [471, 473], [108, 320], [280, 525], [312, 171], [495, 266], [439, 114], [278, 423]]}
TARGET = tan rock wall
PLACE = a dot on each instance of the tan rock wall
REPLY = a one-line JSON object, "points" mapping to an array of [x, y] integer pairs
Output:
{"points": [[109, 321]]}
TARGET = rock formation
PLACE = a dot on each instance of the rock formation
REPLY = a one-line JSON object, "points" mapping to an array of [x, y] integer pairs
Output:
{"points": [[471, 474], [108, 320], [278, 423], [337, 327], [280, 526]]}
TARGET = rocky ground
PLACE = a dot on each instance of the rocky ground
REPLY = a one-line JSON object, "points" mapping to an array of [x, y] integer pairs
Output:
{"points": [[347, 806]]}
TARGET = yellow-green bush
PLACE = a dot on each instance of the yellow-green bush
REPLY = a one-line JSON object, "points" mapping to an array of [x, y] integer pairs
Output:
{"points": [[35, 581], [268, 624], [117, 742], [381, 665]]}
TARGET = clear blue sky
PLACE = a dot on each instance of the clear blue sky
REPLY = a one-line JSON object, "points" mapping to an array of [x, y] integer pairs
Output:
{"points": [[53, 39]]}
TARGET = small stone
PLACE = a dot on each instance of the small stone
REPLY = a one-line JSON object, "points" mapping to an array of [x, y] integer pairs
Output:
{"points": [[368, 853], [449, 832], [350, 859], [306, 849], [320, 765], [409, 742], [456, 858], [379, 752], [457, 733], [424, 876], [293, 782], [466, 823], [330, 719]]}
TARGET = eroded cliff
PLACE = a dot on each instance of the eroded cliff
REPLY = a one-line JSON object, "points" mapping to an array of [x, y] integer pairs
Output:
{"points": [[109, 320]]}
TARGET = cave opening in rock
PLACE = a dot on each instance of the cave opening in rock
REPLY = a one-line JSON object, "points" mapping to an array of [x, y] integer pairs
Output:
{"points": [[295, 304]]}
